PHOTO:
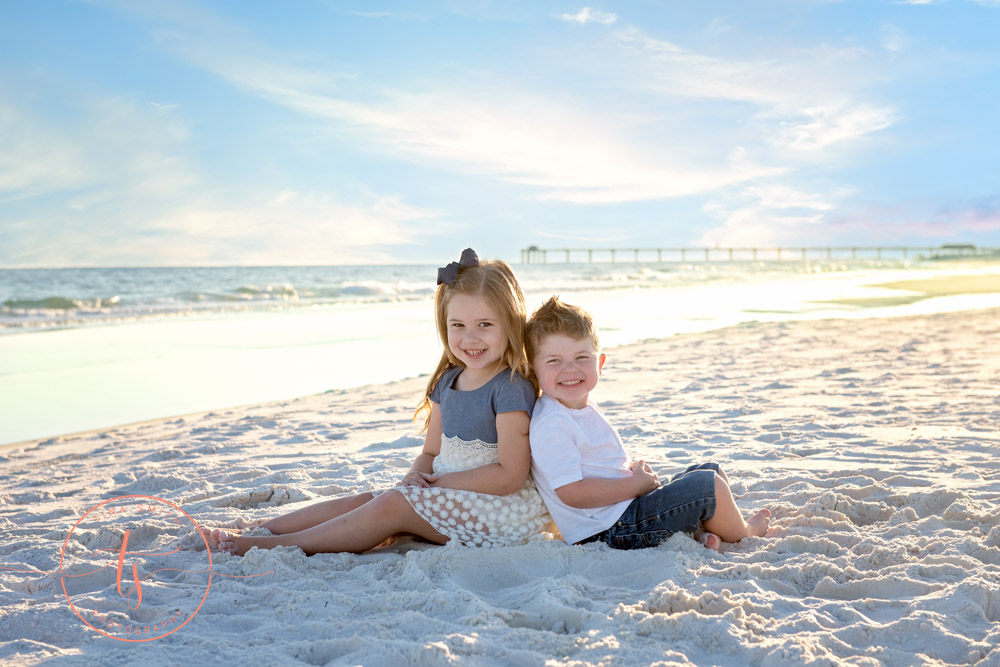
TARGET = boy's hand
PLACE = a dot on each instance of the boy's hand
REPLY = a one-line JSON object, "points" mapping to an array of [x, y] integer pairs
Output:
{"points": [[646, 479], [417, 478]]}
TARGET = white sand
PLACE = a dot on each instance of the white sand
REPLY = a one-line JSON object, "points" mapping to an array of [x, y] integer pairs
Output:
{"points": [[875, 444]]}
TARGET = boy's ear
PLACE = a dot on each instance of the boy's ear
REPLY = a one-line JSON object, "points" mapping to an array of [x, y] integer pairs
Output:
{"points": [[600, 362]]}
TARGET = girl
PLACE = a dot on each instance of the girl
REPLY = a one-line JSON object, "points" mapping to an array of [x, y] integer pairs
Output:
{"points": [[470, 482]]}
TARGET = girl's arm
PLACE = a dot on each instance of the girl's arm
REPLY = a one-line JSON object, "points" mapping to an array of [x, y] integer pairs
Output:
{"points": [[510, 471], [421, 473]]}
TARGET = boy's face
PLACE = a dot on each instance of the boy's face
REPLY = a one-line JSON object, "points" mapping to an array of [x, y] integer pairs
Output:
{"points": [[567, 369]]}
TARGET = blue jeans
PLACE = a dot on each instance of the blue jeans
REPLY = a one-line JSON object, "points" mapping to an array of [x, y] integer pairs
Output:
{"points": [[677, 506]]}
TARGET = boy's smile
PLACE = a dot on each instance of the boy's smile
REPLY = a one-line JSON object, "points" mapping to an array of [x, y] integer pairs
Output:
{"points": [[567, 369]]}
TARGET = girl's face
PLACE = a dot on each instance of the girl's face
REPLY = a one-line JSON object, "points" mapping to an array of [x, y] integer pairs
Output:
{"points": [[475, 334]]}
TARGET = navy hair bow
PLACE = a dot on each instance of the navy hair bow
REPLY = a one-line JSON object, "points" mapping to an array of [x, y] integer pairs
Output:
{"points": [[448, 274]]}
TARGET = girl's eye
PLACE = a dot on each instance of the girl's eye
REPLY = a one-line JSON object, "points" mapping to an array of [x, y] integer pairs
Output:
{"points": [[485, 324]]}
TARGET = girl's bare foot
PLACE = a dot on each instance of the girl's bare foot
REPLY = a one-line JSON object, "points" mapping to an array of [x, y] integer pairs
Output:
{"points": [[708, 540], [221, 540], [759, 522]]}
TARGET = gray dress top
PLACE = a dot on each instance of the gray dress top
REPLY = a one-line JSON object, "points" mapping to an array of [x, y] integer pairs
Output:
{"points": [[472, 415]]}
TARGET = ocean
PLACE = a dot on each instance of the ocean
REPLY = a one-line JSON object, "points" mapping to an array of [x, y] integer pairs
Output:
{"points": [[84, 349]]}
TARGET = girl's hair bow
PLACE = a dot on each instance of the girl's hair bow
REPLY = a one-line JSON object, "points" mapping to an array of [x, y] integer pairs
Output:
{"points": [[448, 274]]}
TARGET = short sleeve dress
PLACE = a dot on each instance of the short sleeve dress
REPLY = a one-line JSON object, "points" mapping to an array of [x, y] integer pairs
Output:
{"points": [[469, 440]]}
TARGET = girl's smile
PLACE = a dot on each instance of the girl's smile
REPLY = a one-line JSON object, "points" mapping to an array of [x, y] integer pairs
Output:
{"points": [[475, 335]]}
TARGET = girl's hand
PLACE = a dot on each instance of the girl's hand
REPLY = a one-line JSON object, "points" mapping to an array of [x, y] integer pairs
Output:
{"points": [[646, 479], [417, 478]]}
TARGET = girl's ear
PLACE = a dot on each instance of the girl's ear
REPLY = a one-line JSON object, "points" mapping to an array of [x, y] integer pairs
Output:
{"points": [[600, 362]]}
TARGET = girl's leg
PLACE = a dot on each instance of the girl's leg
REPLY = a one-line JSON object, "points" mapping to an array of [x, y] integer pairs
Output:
{"points": [[357, 531], [728, 522], [315, 514]]}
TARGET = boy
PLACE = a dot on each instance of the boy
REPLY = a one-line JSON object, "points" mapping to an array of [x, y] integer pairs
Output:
{"points": [[580, 465]]}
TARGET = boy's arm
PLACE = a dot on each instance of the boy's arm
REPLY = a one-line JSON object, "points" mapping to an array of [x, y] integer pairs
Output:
{"points": [[596, 492]]}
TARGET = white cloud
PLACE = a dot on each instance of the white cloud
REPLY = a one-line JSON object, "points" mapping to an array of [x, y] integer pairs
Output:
{"points": [[109, 142], [561, 149], [769, 114], [113, 186], [805, 101], [566, 149], [282, 227], [292, 228], [588, 15], [832, 124], [769, 214]]}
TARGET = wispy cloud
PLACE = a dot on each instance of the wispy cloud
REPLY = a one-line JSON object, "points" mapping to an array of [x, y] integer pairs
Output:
{"points": [[112, 183], [738, 130], [109, 141], [588, 15], [207, 228], [832, 124], [565, 151], [806, 101], [768, 214]]}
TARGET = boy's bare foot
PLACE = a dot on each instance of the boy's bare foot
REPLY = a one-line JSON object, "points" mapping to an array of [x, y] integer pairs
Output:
{"points": [[708, 540], [759, 522]]}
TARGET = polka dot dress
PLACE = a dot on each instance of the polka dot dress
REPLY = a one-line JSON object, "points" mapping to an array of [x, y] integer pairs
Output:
{"points": [[478, 519]]}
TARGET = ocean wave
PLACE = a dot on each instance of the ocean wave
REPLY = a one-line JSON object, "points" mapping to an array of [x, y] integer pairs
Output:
{"points": [[13, 320], [270, 292], [58, 303]]}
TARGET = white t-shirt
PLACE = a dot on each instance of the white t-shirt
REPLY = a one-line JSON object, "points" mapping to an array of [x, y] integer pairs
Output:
{"points": [[570, 445]]}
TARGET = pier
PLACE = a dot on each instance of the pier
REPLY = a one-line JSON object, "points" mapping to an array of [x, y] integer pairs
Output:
{"points": [[536, 255]]}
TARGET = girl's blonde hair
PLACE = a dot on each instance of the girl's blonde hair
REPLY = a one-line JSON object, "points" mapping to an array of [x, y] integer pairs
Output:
{"points": [[494, 281]]}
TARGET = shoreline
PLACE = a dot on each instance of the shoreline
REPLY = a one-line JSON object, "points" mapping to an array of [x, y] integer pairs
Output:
{"points": [[872, 441], [948, 293], [933, 288]]}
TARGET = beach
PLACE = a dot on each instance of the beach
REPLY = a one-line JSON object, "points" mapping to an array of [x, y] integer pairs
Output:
{"points": [[873, 442]]}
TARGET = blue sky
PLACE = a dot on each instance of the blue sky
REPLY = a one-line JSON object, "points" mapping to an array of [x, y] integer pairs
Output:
{"points": [[225, 132]]}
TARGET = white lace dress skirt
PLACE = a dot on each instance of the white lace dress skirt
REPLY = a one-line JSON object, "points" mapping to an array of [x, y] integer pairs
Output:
{"points": [[478, 519]]}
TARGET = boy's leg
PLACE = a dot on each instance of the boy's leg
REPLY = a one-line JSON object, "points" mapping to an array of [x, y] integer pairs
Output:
{"points": [[315, 514], [357, 531], [699, 498], [704, 466], [681, 505], [727, 522]]}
